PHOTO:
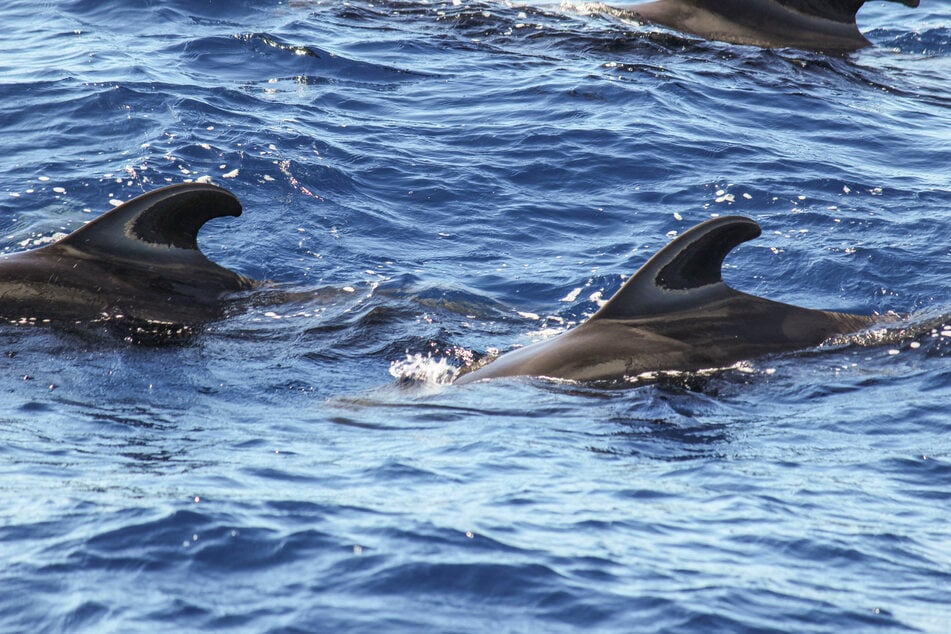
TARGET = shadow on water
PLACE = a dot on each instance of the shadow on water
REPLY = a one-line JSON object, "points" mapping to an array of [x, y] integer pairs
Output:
{"points": [[670, 419], [673, 416]]}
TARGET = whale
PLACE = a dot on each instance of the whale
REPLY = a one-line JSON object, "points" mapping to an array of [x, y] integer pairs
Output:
{"points": [[675, 314], [817, 25], [137, 264]]}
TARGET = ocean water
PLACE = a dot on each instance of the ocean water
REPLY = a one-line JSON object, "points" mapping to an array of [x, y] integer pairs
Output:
{"points": [[428, 183]]}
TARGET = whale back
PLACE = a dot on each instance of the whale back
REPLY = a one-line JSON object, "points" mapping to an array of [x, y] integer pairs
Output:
{"points": [[822, 25], [157, 233], [139, 262], [676, 313]]}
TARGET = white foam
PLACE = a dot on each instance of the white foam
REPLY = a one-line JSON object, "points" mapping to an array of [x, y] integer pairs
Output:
{"points": [[572, 296]]}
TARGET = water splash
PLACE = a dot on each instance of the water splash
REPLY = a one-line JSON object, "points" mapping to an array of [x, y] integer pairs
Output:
{"points": [[417, 368]]}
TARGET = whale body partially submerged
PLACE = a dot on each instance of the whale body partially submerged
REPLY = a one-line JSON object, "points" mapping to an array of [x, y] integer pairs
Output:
{"points": [[819, 25], [676, 314], [138, 263]]}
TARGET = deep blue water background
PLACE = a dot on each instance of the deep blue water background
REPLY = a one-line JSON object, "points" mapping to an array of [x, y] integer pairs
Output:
{"points": [[432, 181]]}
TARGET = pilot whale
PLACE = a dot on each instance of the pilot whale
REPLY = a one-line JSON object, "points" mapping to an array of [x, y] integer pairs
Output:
{"points": [[676, 314], [140, 262], [819, 25]]}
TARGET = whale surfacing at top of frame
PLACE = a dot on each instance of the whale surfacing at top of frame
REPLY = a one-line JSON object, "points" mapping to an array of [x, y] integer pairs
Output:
{"points": [[676, 314], [139, 262], [818, 25]]}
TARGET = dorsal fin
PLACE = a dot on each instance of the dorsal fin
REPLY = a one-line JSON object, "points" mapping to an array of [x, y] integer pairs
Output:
{"points": [[835, 10], [685, 273], [161, 224]]}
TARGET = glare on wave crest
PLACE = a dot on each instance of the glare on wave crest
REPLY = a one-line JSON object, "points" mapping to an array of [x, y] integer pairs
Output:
{"points": [[652, 376], [899, 336]]}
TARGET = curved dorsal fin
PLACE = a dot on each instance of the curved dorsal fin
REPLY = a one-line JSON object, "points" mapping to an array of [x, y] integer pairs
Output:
{"points": [[685, 273], [835, 10], [158, 225]]}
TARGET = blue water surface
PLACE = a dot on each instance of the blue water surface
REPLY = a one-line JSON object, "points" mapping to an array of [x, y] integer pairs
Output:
{"points": [[427, 183]]}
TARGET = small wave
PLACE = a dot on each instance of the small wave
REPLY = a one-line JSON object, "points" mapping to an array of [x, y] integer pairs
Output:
{"points": [[317, 65], [929, 42]]}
